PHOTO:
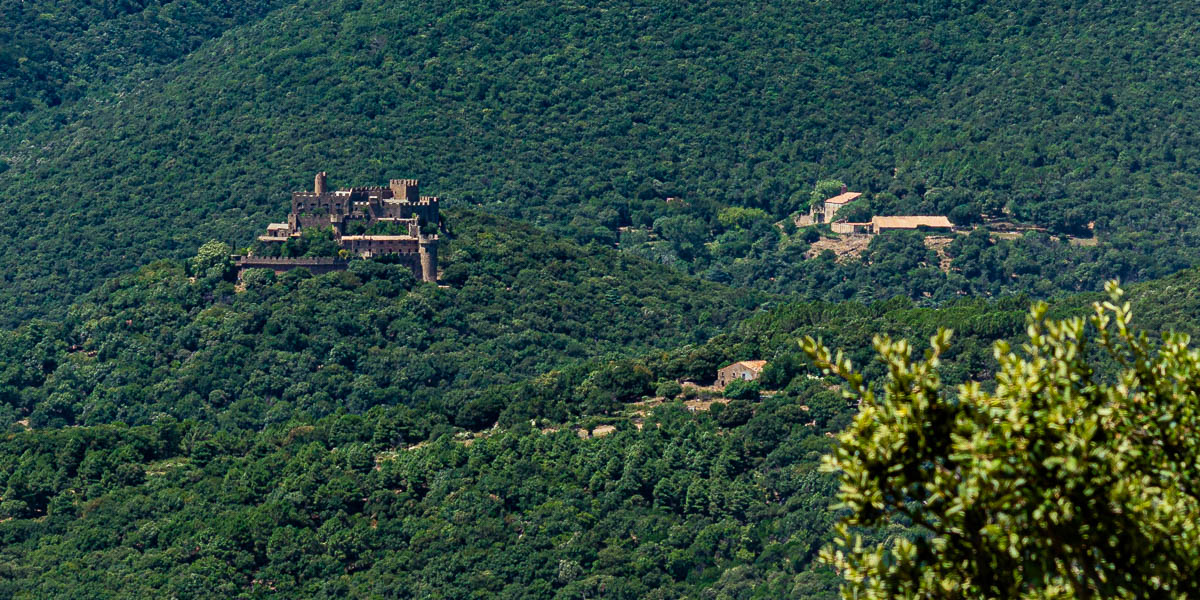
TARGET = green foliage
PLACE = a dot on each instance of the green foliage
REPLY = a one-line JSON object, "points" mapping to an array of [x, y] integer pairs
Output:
{"points": [[329, 507], [174, 435], [734, 414], [686, 235], [1058, 480], [824, 190], [211, 261], [314, 242], [53, 53], [258, 278], [668, 389], [859, 211], [738, 217], [160, 343], [965, 215], [740, 389], [564, 119], [305, 464]]}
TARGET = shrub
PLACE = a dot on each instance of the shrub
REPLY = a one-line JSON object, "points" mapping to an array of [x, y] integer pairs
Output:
{"points": [[668, 389], [739, 389]]}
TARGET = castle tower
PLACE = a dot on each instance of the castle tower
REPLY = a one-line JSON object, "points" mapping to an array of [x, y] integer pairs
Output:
{"points": [[319, 183], [406, 189], [427, 248]]}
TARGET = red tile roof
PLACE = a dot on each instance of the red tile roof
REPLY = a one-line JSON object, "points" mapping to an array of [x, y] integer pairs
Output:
{"points": [[911, 222], [753, 365], [844, 197]]}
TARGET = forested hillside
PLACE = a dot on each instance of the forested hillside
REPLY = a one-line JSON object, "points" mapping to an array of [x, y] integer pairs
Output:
{"points": [[54, 52], [180, 339], [329, 510], [584, 119], [213, 497], [539, 422]]}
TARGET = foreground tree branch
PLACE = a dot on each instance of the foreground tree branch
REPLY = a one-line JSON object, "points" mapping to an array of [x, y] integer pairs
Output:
{"points": [[1069, 480]]}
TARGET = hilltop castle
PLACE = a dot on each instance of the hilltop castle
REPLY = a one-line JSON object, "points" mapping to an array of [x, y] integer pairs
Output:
{"points": [[357, 209]]}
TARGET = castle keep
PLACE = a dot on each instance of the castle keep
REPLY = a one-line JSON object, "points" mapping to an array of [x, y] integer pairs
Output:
{"points": [[359, 208]]}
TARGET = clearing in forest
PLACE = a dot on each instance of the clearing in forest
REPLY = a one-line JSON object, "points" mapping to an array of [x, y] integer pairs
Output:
{"points": [[845, 247]]}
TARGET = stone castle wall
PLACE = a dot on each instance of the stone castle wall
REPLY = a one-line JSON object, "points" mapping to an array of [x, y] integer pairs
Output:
{"points": [[317, 265], [321, 208]]}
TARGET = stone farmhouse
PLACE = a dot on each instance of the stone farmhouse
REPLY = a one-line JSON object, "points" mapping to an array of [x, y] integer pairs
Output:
{"points": [[746, 370], [358, 208], [824, 212]]}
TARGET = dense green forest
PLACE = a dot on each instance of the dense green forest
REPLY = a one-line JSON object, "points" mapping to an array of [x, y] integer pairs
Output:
{"points": [[584, 119], [178, 338], [268, 487], [327, 509], [536, 424], [53, 53]]}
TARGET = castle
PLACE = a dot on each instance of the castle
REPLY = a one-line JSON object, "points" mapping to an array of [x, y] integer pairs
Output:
{"points": [[359, 208]]}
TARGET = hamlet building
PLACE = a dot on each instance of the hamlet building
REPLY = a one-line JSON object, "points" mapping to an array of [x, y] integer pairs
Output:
{"points": [[746, 370]]}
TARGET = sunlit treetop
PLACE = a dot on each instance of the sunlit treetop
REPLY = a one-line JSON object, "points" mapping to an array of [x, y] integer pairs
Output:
{"points": [[1071, 475]]}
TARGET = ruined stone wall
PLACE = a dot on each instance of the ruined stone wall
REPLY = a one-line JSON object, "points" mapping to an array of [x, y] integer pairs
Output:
{"points": [[426, 210], [847, 227], [317, 265], [318, 220], [831, 210], [413, 262], [379, 245]]}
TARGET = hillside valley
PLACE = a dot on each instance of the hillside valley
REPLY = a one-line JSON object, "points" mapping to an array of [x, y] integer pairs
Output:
{"points": [[269, 488], [180, 339], [696, 300], [584, 120]]}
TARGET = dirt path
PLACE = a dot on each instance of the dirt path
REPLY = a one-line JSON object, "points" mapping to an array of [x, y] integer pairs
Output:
{"points": [[938, 244], [845, 246]]}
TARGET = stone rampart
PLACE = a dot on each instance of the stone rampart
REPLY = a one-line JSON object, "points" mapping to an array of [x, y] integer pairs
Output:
{"points": [[317, 265]]}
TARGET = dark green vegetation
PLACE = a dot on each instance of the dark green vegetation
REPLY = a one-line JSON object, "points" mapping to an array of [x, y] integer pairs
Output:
{"points": [[274, 459], [158, 343], [584, 119], [53, 53], [329, 510], [170, 434]]}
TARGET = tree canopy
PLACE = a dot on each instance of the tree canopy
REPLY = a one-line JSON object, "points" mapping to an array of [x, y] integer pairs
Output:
{"points": [[1071, 474], [1072, 117]]}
